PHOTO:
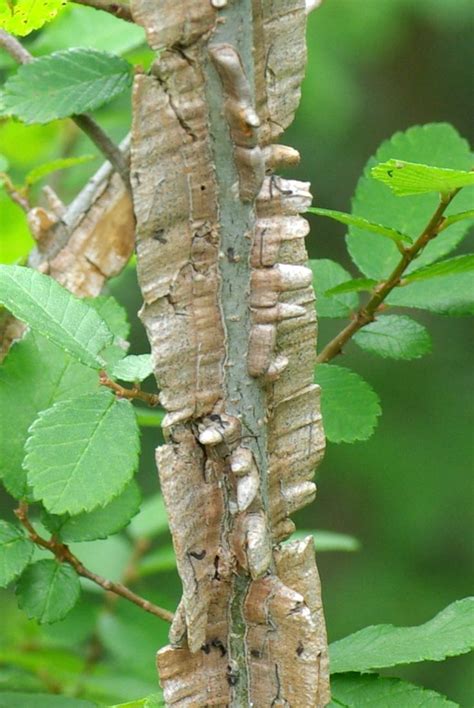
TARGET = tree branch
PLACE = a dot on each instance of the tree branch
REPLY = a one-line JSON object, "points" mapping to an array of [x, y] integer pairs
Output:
{"points": [[14, 48], [106, 146], [119, 9], [152, 399], [366, 314], [64, 555], [14, 194], [87, 124]]}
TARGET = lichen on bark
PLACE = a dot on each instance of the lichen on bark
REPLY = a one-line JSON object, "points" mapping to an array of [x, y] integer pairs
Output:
{"points": [[229, 311]]}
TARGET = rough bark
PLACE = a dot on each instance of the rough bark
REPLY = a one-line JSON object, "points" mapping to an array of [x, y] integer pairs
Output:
{"points": [[229, 311], [82, 245]]}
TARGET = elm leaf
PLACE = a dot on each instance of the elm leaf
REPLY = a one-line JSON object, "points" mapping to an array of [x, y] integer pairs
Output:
{"points": [[24, 16], [362, 223], [47, 590], [326, 275], [451, 294], [394, 337], [82, 452], [98, 523], [329, 540], [436, 144], [406, 178], [112, 313], [133, 368], [65, 83], [449, 633], [35, 374], [459, 264], [354, 690], [349, 405], [356, 285], [15, 552], [55, 313]]}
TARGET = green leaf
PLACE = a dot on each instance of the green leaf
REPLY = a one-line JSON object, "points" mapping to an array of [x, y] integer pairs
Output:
{"points": [[82, 452], [329, 540], [154, 701], [15, 552], [352, 286], [37, 173], [99, 523], [460, 264], [446, 295], [65, 83], [353, 690], [79, 27], [435, 144], [454, 218], [150, 418], [449, 633], [326, 275], [112, 313], [3, 163], [47, 590], [133, 368], [394, 337], [41, 700], [362, 223], [152, 519], [406, 178], [24, 16], [55, 313], [35, 374], [350, 406]]}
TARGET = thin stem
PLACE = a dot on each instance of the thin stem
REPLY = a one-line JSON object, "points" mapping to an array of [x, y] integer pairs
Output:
{"points": [[366, 314], [15, 195], [14, 48], [152, 399], [106, 146], [118, 9], [87, 124], [64, 555]]}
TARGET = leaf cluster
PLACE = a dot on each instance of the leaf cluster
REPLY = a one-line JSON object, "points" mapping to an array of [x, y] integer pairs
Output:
{"points": [[394, 201]]}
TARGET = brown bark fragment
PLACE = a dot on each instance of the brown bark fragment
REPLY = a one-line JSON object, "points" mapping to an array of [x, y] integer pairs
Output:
{"points": [[84, 250]]}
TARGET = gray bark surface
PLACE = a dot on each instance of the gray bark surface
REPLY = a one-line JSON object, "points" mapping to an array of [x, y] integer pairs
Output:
{"points": [[229, 311]]}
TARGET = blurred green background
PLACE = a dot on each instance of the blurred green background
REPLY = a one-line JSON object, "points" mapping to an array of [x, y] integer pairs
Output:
{"points": [[407, 493]]}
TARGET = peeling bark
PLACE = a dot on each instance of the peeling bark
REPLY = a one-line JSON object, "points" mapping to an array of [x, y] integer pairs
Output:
{"points": [[229, 311], [82, 245]]}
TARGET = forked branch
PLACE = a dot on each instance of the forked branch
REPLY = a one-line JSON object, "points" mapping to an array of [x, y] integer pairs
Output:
{"points": [[64, 555], [367, 313]]}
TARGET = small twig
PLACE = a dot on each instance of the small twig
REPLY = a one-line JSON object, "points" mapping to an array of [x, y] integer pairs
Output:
{"points": [[14, 48], [106, 146], [87, 124], [64, 555], [366, 314], [152, 399], [14, 194], [118, 9]]}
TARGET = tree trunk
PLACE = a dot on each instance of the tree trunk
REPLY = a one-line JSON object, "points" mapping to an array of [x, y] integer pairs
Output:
{"points": [[229, 311]]}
